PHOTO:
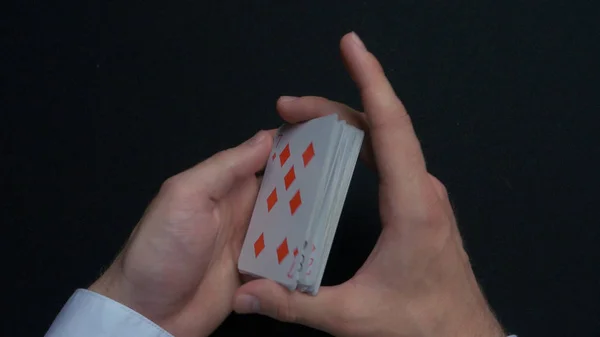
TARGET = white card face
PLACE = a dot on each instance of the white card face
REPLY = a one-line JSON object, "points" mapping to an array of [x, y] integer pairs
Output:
{"points": [[316, 239], [285, 203], [322, 237]]}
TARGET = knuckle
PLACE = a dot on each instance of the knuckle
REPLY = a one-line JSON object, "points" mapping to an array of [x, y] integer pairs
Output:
{"points": [[442, 191], [174, 186], [178, 201], [430, 211], [172, 183], [398, 120], [224, 160], [429, 216], [217, 159], [440, 188], [321, 106], [317, 100]]}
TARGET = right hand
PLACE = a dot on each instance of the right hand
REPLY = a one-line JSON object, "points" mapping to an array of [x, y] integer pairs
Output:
{"points": [[418, 280]]}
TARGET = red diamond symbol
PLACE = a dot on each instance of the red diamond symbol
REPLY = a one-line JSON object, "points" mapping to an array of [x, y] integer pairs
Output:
{"points": [[295, 202], [282, 251], [289, 178], [259, 245], [274, 155], [284, 155], [271, 199], [308, 154], [295, 252]]}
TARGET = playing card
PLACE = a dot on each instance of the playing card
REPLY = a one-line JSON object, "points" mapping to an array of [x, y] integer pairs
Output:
{"points": [[317, 231], [285, 205], [300, 202], [319, 244], [336, 211]]}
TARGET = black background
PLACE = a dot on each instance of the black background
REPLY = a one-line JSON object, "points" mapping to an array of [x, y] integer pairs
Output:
{"points": [[103, 101]]}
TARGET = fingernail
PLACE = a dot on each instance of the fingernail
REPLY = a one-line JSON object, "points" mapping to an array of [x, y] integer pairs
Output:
{"points": [[358, 41], [257, 138], [246, 304], [287, 98]]}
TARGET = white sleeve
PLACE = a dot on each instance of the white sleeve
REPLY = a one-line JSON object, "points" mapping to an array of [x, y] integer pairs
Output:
{"points": [[93, 315]]}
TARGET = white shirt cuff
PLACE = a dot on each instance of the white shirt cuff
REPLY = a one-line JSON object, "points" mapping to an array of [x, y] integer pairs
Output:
{"points": [[93, 315]]}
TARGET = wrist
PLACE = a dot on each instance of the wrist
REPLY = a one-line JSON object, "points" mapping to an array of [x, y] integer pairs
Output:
{"points": [[153, 305], [113, 285], [108, 285]]}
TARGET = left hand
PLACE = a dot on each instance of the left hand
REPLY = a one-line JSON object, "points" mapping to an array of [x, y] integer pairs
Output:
{"points": [[179, 267]]}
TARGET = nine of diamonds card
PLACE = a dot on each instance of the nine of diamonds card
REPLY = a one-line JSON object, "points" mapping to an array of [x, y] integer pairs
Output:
{"points": [[300, 202]]}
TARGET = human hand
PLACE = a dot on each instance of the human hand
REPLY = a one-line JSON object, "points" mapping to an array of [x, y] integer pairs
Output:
{"points": [[179, 267], [418, 280]]}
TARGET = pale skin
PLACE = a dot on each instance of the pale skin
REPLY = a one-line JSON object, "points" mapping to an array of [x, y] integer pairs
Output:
{"points": [[179, 265]]}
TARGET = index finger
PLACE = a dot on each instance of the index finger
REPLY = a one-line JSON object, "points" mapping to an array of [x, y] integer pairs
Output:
{"points": [[397, 150], [217, 175]]}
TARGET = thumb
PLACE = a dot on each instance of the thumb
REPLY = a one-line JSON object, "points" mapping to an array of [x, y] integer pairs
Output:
{"points": [[268, 298], [217, 174]]}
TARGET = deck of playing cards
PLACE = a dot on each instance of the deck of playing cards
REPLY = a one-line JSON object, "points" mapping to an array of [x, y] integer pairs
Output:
{"points": [[300, 202]]}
